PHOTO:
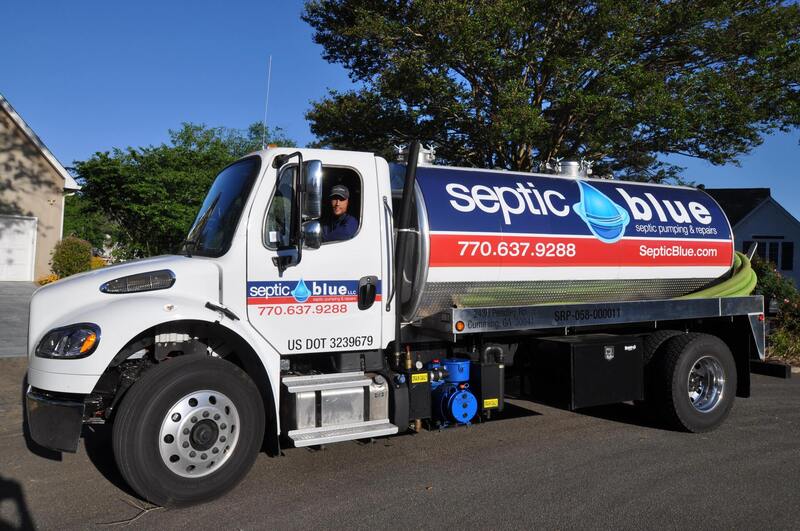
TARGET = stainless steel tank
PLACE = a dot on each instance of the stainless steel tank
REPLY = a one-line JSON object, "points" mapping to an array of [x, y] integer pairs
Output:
{"points": [[494, 238]]}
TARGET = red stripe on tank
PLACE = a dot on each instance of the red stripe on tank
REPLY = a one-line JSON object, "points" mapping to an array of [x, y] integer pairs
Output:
{"points": [[476, 250]]}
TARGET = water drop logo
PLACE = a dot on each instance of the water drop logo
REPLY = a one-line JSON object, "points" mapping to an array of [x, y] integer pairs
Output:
{"points": [[606, 219], [301, 293]]}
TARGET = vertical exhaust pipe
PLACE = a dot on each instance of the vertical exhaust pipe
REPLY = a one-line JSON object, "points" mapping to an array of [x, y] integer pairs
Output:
{"points": [[402, 240]]}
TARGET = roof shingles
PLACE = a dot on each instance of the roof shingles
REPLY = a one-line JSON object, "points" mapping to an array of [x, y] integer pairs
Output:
{"points": [[738, 202]]}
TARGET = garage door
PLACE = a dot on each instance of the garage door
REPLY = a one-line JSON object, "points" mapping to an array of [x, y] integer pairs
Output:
{"points": [[17, 247]]}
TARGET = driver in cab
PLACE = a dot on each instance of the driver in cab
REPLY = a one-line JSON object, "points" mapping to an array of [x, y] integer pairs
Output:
{"points": [[341, 225]]}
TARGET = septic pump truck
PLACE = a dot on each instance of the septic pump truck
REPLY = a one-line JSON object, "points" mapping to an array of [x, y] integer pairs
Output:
{"points": [[264, 333]]}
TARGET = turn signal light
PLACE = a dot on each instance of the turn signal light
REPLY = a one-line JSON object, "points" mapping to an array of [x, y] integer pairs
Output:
{"points": [[149, 281], [88, 343]]}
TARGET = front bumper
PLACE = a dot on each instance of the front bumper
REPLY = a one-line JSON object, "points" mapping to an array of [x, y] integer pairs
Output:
{"points": [[54, 421]]}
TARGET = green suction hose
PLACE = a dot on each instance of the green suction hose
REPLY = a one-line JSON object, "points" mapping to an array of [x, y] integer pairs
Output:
{"points": [[740, 284]]}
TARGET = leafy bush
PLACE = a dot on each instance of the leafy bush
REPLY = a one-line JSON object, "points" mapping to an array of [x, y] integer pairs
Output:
{"points": [[784, 337], [771, 284], [71, 255], [98, 262], [49, 279], [785, 345]]}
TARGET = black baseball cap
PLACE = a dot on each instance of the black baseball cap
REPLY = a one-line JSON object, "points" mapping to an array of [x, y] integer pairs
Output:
{"points": [[340, 190]]}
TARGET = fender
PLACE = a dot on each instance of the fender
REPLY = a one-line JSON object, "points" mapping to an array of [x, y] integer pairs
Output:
{"points": [[120, 320]]}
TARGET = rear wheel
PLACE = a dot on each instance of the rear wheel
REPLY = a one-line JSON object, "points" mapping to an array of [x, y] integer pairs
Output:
{"points": [[654, 341], [653, 345], [188, 430], [694, 382]]}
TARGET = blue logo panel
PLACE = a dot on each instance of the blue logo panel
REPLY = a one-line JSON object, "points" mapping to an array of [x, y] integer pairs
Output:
{"points": [[300, 291], [476, 201]]}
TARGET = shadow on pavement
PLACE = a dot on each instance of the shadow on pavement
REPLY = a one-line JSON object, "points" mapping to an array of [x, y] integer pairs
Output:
{"points": [[514, 411], [625, 413], [12, 490], [520, 386], [97, 443]]}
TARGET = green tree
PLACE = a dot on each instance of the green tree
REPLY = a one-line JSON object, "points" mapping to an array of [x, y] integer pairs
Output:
{"points": [[84, 222], [150, 195], [507, 83]]}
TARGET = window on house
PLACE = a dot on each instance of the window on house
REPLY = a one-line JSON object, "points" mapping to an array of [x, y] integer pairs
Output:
{"points": [[775, 250], [787, 256]]}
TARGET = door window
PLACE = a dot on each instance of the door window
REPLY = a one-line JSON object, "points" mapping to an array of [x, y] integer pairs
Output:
{"points": [[341, 204], [341, 207]]}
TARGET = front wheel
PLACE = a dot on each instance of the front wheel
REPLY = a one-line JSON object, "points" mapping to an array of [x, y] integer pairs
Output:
{"points": [[695, 382], [188, 431]]}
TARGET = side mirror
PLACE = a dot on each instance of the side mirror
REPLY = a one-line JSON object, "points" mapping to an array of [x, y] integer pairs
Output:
{"points": [[312, 201], [312, 234]]}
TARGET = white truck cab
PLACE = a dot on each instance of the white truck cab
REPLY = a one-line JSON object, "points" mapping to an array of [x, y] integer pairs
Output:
{"points": [[277, 326]]}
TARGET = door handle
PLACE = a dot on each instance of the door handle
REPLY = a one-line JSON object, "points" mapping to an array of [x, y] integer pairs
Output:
{"points": [[367, 289]]}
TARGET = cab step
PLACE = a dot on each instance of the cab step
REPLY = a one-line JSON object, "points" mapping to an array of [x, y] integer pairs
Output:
{"points": [[327, 408], [326, 435], [325, 382]]}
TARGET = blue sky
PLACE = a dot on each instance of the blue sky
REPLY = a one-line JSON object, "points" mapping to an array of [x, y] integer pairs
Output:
{"points": [[91, 75]]}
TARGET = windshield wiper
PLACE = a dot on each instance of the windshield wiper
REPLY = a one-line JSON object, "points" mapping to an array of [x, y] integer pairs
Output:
{"points": [[192, 239], [187, 245]]}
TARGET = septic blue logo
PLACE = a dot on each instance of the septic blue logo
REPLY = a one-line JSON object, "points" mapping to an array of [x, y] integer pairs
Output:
{"points": [[301, 293], [606, 219]]}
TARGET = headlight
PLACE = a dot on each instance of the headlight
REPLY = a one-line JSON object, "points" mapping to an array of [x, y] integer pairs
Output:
{"points": [[150, 281], [69, 342]]}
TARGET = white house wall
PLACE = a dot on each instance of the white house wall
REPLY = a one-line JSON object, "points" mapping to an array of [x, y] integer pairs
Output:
{"points": [[30, 187], [770, 219]]}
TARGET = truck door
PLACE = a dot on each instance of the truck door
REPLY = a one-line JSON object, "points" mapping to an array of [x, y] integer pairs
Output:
{"points": [[319, 305]]}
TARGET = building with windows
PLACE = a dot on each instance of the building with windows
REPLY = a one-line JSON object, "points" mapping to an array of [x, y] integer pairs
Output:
{"points": [[757, 217], [32, 188]]}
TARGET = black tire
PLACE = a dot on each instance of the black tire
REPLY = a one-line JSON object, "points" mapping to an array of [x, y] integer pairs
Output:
{"points": [[705, 355], [653, 343], [137, 439]]}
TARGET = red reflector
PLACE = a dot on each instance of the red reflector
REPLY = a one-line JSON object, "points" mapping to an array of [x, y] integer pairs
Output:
{"points": [[761, 317]]}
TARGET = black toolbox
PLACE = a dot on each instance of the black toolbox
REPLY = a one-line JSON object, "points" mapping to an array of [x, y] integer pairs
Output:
{"points": [[587, 370]]}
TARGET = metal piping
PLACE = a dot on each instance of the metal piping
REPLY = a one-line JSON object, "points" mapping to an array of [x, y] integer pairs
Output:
{"points": [[402, 237], [423, 243]]}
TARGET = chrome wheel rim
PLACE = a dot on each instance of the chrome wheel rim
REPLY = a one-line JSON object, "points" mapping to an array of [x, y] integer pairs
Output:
{"points": [[199, 434], [706, 384]]}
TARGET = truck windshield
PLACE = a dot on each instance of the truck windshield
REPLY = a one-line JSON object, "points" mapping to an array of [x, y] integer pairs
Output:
{"points": [[213, 229]]}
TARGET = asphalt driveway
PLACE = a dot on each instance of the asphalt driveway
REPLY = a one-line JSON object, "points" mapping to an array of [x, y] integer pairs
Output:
{"points": [[15, 298], [536, 468]]}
